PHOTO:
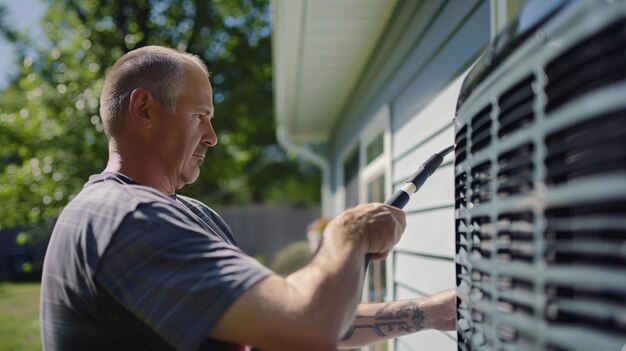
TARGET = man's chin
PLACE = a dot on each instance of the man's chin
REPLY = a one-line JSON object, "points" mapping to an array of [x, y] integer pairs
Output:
{"points": [[188, 179]]}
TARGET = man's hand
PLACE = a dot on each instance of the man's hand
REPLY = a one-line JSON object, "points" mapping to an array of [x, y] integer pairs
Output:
{"points": [[376, 227]]}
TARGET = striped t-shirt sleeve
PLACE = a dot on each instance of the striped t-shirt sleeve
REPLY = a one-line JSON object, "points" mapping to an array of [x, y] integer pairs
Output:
{"points": [[174, 275]]}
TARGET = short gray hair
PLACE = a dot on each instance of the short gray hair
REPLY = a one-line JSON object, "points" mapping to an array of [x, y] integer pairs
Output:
{"points": [[155, 68]]}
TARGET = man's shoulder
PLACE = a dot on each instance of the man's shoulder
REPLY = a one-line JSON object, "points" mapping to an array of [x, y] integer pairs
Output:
{"points": [[209, 215], [195, 203], [133, 194], [110, 197], [200, 206]]}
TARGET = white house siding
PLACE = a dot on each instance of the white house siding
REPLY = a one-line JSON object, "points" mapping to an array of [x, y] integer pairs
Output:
{"points": [[450, 41], [422, 124], [423, 261], [416, 73], [419, 342]]}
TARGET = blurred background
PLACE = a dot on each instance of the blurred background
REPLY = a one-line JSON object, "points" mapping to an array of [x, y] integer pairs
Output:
{"points": [[54, 57]]}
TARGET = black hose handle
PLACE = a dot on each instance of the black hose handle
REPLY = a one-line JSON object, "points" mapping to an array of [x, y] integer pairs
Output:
{"points": [[400, 198]]}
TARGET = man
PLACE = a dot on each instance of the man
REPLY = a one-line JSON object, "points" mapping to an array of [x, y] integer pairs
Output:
{"points": [[133, 266]]}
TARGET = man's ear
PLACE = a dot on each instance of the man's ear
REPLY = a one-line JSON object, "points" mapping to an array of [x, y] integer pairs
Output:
{"points": [[139, 108]]}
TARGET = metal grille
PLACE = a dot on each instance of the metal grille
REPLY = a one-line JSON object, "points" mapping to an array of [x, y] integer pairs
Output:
{"points": [[595, 61], [516, 171], [516, 108], [540, 186], [481, 129], [591, 147]]}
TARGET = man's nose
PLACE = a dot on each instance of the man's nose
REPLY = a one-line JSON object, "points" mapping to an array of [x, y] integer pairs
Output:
{"points": [[209, 136]]}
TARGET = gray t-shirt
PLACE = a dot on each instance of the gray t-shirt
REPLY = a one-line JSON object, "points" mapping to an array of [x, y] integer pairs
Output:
{"points": [[129, 268]]}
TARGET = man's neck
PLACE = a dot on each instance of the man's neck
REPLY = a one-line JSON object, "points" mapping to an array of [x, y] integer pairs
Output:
{"points": [[141, 172]]}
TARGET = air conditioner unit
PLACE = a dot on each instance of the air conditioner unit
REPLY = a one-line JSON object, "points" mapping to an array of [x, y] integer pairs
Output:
{"points": [[540, 179]]}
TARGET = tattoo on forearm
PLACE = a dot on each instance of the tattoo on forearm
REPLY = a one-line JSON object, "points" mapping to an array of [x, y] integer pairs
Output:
{"points": [[407, 318]]}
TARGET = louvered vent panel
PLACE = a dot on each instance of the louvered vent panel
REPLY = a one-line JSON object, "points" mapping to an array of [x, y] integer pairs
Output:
{"points": [[586, 306], [516, 171], [482, 237], [460, 141], [595, 62], [460, 190], [592, 147], [481, 183], [481, 129], [516, 107], [515, 237], [592, 234], [540, 187]]}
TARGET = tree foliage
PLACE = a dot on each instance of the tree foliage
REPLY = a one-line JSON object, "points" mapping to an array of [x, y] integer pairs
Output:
{"points": [[51, 136], [291, 258]]}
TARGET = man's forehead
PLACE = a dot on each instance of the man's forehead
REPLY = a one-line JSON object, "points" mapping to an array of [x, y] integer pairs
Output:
{"points": [[198, 87], [196, 70]]}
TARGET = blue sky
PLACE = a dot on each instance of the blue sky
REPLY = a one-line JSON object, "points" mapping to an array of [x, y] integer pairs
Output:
{"points": [[23, 15]]}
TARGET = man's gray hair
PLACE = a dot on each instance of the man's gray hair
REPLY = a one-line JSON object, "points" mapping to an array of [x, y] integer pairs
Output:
{"points": [[154, 68]]}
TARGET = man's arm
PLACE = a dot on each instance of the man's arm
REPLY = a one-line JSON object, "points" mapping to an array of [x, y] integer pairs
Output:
{"points": [[313, 307], [382, 321]]}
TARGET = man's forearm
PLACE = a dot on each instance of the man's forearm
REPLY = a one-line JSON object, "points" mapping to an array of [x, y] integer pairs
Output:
{"points": [[377, 322], [311, 308], [382, 321], [329, 286]]}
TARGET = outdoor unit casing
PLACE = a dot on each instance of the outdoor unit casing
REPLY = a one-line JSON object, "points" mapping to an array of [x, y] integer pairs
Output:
{"points": [[540, 179]]}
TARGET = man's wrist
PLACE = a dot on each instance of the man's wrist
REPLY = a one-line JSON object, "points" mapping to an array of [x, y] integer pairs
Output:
{"points": [[439, 310]]}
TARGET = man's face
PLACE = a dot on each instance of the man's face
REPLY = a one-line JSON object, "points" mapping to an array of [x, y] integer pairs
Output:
{"points": [[188, 133]]}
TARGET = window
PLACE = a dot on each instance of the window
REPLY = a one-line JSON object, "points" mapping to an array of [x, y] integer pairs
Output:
{"points": [[377, 272], [374, 174], [375, 148], [365, 177], [351, 179]]}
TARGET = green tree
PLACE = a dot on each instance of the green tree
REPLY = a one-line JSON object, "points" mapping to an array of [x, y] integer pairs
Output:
{"points": [[51, 135]]}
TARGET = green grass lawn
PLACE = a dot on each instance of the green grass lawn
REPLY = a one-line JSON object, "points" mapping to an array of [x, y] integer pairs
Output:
{"points": [[19, 317]]}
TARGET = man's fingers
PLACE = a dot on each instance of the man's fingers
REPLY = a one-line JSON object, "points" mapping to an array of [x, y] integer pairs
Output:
{"points": [[380, 256], [393, 221], [378, 226], [398, 214]]}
